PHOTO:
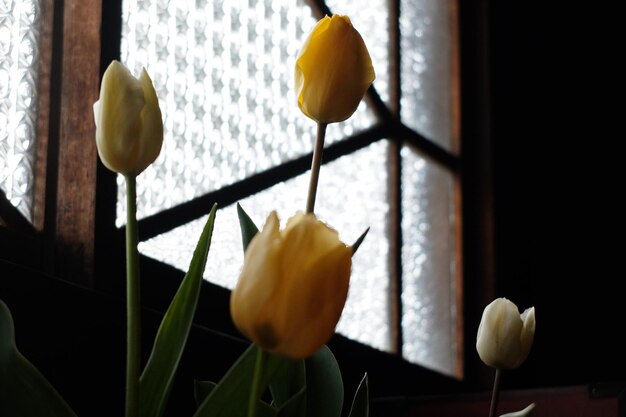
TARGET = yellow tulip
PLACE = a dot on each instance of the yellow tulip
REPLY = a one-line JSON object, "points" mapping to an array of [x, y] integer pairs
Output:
{"points": [[292, 287], [129, 126], [504, 336], [333, 71]]}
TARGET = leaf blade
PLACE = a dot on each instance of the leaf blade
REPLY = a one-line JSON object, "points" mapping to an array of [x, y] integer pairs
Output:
{"points": [[288, 389], [360, 403], [324, 385], [248, 228], [24, 390], [229, 398], [355, 245], [157, 377], [521, 413]]}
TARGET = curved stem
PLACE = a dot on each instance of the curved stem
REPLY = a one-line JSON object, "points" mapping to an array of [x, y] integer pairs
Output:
{"points": [[133, 328], [495, 395], [315, 166], [255, 390]]}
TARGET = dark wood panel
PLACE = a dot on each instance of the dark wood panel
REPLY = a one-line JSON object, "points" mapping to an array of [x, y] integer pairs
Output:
{"points": [[77, 162]]}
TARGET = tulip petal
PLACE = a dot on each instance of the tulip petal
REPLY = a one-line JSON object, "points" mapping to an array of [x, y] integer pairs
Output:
{"points": [[129, 124], [317, 316], [504, 336], [333, 71], [306, 239], [259, 281], [118, 127], [292, 287], [151, 138], [528, 333]]}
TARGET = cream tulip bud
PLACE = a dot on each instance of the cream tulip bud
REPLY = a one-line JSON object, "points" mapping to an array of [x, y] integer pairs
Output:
{"points": [[333, 71], [504, 335], [292, 287], [129, 126]]}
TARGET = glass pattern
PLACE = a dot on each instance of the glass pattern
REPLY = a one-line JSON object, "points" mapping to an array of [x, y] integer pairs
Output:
{"points": [[426, 68], [372, 24], [223, 71], [352, 196], [428, 264], [20, 24]]}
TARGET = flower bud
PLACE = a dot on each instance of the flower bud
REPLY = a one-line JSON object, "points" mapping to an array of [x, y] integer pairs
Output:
{"points": [[129, 126], [504, 336], [333, 71], [292, 287]]}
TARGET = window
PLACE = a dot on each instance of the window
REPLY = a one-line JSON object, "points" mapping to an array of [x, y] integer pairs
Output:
{"points": [[20, 33], [223, 72]]}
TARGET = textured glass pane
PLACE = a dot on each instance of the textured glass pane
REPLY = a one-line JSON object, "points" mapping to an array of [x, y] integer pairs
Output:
{"points": [[352, 196], [426, 68], [372, 24], [223, 71], [428, 264], [20, 23]]}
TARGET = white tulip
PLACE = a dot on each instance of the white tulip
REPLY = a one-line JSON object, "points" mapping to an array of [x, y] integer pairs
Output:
{"points": [[504, 335]]}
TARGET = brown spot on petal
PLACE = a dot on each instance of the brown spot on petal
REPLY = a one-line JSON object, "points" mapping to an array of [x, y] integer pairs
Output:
{"points": [[266, 336]]}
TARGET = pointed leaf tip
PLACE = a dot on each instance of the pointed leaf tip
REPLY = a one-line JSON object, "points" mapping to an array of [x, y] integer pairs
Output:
{"points": [[158, 376], [360, 403], [358, 242], [248, 228], [521, 413]]}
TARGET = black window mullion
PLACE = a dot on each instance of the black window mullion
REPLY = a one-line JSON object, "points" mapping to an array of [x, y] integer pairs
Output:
{"points": [[183, 213], [428, 148]]}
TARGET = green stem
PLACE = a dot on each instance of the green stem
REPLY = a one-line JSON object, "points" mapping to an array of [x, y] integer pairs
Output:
{"points": [[495, 394], [255, 390], [133, 329], [315, 166]]}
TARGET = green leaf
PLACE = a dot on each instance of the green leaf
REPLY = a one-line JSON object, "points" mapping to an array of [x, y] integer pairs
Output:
{"points": [[522, 413], [248, 228], [358, 242], [288, 388], [157, 378], [295, 406], [24, 391], [229, 398], [360, 403], [324, 385], [202, 389]]}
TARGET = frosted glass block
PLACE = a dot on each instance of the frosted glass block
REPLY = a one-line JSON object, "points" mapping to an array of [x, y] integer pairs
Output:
{"points": [[372, 22], [223, 72], [352, 196], [20, 31], [426, 68], [428, 264]]}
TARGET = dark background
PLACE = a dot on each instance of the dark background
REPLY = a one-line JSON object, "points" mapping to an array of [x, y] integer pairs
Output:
{"points": [[556, 104]]}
